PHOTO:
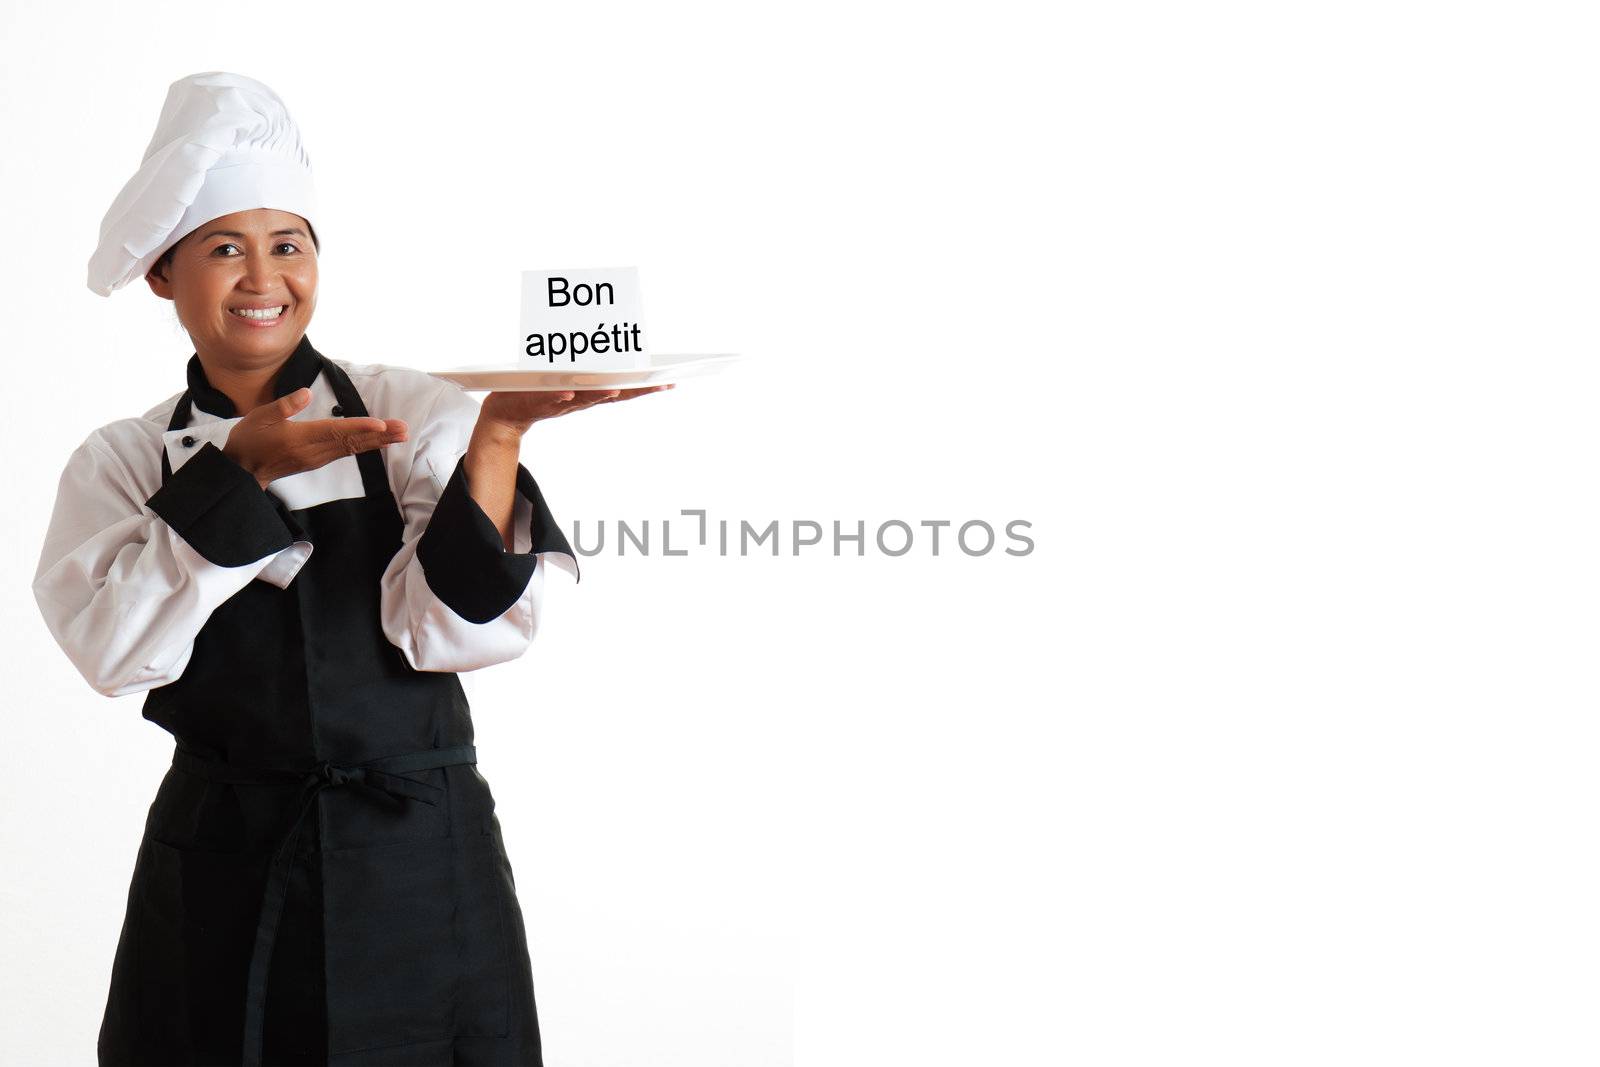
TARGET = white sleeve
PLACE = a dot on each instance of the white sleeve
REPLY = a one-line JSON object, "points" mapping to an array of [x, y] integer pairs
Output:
{"points": [[125, 583], [453, 598]]}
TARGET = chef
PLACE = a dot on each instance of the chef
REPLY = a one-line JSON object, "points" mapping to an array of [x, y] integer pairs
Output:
{"points": [[293, 558]]}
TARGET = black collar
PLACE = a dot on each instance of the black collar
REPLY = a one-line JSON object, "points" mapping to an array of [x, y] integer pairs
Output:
{"points": [[300, 369]]}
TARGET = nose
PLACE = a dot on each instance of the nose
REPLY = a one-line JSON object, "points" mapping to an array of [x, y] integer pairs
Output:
{"points": [[260, 272]]}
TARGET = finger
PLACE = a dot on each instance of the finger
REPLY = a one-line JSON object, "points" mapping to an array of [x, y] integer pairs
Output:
{"points": [[347, 437], [588, 398], [606, 396], [280, 409], [352, 444], [362, 430], [381, 437], [629, 394], [332, 429]]}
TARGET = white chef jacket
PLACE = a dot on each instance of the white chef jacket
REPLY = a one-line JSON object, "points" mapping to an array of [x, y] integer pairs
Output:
{"points": [[125, 595]]}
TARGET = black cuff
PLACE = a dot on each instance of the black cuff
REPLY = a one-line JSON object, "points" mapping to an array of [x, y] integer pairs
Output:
{"points": [[220, 509], [466, 562]]}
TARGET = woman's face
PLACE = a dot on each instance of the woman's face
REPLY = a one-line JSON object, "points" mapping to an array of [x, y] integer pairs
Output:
{"points": [[257, 259]]}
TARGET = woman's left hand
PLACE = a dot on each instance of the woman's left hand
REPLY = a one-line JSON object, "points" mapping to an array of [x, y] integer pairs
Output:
{"points": [[516, 411]]}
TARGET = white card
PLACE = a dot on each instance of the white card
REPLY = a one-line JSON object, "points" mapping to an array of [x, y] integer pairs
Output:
{"points": [[582, 320]]}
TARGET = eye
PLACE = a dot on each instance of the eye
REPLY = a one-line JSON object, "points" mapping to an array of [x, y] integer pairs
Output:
{"points": [[288, 244], [227, 244]]}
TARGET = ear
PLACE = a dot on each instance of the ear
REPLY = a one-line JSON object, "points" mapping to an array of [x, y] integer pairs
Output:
{"points": [[159, 285]]}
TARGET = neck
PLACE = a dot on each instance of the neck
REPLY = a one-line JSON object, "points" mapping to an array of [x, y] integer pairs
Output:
{"points": [[247, 385]]}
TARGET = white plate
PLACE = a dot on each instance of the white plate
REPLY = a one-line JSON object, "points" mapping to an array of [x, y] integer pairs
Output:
{"points": [[662, 369]]}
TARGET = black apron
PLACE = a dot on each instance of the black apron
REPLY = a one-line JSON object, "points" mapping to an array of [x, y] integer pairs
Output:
{"points": [[322, 878]]}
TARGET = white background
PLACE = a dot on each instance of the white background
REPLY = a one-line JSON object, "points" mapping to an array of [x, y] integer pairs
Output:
{"points": [[1276, 321]]}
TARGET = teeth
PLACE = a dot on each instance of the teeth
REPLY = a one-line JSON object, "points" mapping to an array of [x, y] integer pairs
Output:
{"points": [[269, 313]]}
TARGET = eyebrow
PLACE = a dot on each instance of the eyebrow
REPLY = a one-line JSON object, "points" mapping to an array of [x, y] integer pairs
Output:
{"points": [[236, 233]]}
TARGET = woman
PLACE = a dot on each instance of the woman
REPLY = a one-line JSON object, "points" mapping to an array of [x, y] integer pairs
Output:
{"points": [[292, 558]]}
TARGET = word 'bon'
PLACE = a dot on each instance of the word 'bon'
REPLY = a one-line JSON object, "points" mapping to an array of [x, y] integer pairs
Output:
{"points": [[581, 294]]}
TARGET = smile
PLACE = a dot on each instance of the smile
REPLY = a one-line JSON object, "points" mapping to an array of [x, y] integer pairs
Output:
{"points": [[264, 316]]}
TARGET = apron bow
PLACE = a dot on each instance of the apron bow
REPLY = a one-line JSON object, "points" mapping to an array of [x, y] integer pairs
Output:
{"points": [[392, 789]]}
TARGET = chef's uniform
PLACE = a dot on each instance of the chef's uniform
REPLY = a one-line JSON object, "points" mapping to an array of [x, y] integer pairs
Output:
{"points": [[322, 867], [322, 877]]}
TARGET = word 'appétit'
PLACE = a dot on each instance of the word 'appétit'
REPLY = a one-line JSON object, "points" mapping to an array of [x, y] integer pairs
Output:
{"points": [[623, 337]]}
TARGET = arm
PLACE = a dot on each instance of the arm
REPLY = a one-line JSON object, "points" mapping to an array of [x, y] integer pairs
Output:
{"points": [[126, 582], [491, 463], [454, 598]]}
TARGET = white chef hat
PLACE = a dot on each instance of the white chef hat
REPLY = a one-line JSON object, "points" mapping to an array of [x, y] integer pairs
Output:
{"points": [[224, 143]]}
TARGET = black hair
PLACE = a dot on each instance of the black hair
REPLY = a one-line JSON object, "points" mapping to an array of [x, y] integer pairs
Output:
{"points": [[163, 265]]}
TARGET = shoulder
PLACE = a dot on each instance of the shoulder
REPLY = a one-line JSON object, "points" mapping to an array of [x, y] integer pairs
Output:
{"points": [[115, 466], [132, 442], [392, 392]]}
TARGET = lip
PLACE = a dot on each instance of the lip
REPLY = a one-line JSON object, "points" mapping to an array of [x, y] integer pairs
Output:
{"points": [[258, 324]]}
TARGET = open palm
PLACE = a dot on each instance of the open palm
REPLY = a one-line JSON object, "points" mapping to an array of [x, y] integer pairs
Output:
{"points": [[524, 408]]}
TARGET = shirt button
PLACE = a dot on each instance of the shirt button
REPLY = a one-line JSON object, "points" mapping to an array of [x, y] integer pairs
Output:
{"points": [[188, 442], [338, 409]]}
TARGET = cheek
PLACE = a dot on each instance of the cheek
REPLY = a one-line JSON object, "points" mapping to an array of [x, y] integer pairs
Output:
{"points": [[205, 293]]}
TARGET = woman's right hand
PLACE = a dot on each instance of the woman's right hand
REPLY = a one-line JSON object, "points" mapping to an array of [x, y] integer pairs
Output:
{"points": [[268, 444]]}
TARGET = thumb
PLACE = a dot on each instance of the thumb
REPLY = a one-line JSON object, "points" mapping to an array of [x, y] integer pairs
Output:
{"points": [[286, 405]]}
